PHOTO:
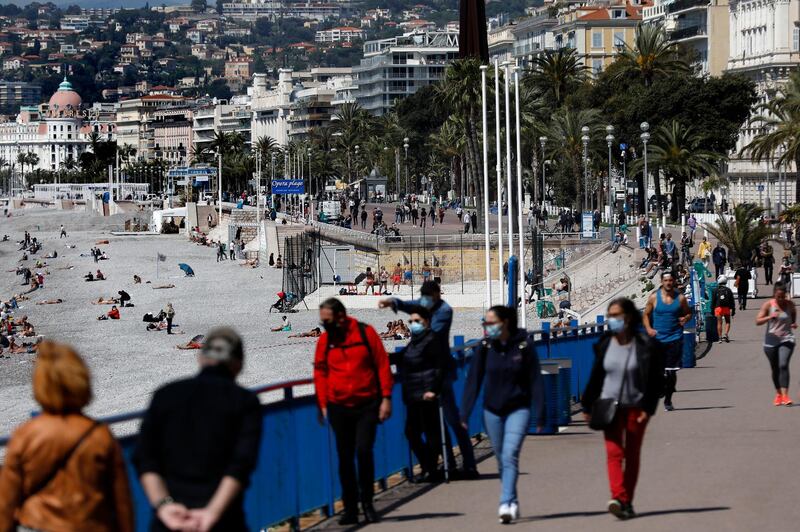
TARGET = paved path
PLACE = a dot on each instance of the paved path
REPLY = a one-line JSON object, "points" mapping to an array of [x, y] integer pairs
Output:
{"points": [[725, 460]]}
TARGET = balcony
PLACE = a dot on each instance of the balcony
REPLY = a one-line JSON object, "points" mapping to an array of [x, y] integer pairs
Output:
{"points": [[687, 33], [683, 5]]}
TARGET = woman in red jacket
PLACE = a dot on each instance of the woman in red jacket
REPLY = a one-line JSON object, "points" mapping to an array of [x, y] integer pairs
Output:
{"points": [[353, 383]]}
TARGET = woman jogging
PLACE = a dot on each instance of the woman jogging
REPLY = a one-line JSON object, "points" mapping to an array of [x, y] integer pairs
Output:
{"points": [[510, 367], [780, 315], [422, 366], [628, 370]]}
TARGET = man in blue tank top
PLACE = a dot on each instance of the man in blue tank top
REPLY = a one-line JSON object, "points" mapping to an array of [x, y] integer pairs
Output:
{"points": [[666, 313]]}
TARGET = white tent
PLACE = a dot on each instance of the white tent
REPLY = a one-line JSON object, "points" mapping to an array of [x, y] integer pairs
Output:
{"points": [[160, 216]]}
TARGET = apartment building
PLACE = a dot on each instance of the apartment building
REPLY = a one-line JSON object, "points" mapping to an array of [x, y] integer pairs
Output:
{"points": [[133, 121], [395, 68], [222, 117], [340, 34], [274, 9], [15, 94]]}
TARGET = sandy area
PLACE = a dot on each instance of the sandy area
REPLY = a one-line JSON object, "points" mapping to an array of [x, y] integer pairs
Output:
{"points": [[128, 363]]}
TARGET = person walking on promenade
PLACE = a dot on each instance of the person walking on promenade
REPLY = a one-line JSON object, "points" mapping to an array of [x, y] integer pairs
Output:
{"points": [[422, 366], [363, 218], [509, 365], [353, 383], [786, 272], [719, 258], [474, 221], [441, 321], [169, 315], [704, 251], [466, 219], [692, 223], [232, 250], [665, 314], [629, 371], [198, 443], [686, 247], [724, 306], [63, 470], [742, 283], [780, 316], [63, 232], [768, 260], [423, 217]]}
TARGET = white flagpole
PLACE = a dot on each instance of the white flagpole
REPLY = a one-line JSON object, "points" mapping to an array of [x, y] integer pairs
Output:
{"points": [[487, 251], [499, 180], [506, 83], [521, 277], [157, 261]]}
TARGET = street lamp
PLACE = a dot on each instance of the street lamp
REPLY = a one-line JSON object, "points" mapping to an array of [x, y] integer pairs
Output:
{"points": [[542, 142], [585, 140], [610, 141], [219, 183], [645, 136], [405, 147]]}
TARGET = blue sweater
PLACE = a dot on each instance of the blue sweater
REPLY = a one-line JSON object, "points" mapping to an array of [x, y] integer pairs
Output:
{"points": [[512, 374]]}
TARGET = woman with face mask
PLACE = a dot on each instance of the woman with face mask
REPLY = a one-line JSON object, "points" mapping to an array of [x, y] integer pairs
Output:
{"points": [[628, 373], [422, 366], [507, 366]]}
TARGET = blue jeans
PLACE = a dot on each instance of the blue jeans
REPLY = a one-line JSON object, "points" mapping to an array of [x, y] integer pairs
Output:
{"points": [[507, 434]]}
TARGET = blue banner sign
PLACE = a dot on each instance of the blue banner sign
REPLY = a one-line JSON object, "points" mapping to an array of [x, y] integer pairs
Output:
{"points": [[288, 186]]}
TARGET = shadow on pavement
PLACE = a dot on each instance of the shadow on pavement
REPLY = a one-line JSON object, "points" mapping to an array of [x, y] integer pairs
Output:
{"points": [[564, 515], [702, 390], [442, 515], [685, 511]]}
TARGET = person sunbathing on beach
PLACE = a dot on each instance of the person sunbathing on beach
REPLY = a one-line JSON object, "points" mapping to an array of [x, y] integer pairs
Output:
{"points": [[16, 349], [28, 331], [194, 343], [109, 301], [250, 263], [89, 277], [389, 332], [52, 255], [67, 267], [285, 326], [112, 314], [162, 286], [137, 279], [34, 286], [313, 333], [49, 302], [99, 276]]}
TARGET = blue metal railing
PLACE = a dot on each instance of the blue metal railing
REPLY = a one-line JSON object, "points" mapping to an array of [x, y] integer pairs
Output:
{"points": [[297, 470]]}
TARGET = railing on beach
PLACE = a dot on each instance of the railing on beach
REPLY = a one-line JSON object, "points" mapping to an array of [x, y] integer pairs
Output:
{"points": [[297, 473]]}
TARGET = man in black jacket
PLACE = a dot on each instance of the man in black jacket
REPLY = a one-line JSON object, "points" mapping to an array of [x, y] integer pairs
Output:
{"points": [[724, 306], [199, 441]]}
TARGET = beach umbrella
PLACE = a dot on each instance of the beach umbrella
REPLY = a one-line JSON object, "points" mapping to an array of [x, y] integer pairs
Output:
{"points": [[187, 269]]}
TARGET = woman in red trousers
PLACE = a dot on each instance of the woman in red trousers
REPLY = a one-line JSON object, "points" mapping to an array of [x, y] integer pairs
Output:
{"points": [[628, 369]]}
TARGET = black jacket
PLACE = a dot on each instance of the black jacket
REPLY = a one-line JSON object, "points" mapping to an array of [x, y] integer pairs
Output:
{"points": [[422, 365], [197, 431], [512, 373], [723, 297], [651, 372]]}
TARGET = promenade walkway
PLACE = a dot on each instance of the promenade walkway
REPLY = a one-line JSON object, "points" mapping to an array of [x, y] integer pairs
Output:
{"points": [[724, 460]]}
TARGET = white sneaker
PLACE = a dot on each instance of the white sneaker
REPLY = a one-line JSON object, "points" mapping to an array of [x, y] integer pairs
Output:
{"points": [[504, 514], [514, 508]]}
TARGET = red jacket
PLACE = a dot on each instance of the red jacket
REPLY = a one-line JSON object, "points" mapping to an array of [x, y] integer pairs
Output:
{"points": [[348, 376]]}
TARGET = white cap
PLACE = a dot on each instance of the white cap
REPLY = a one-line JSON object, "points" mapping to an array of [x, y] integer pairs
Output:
{"points": [[722, 280]]}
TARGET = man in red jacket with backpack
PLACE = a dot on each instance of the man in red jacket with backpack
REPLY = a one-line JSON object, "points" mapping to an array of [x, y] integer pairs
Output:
{"points": [[353, 383]]}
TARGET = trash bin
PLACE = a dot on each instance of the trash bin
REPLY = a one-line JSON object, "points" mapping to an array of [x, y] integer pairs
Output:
{"points": [[550, 422], [711, 328], [564, 392]]}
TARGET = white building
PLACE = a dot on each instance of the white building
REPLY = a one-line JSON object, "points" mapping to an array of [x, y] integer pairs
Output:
{"points": [[700, 25], [274, 9], [340, 34], [533, 35], [395, 68], [229, 117], [765, 47], [56, 133]]}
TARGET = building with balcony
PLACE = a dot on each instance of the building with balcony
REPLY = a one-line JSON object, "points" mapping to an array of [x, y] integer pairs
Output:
{"points": [[173, 137], [274, 9], [701, 26], [221, 117], [340, 34], [501, 43], [16, 94], [765, 47], [395, 68], [598, 31], [533, 35], [133, 122]]}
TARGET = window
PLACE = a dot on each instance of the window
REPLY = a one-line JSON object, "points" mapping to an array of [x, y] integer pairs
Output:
{"points": [[796, 39], [619, 38], [597, 66], [597, 39]]}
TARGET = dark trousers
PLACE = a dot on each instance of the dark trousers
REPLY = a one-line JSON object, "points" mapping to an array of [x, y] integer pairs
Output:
{"points": [[466, 228], [233, 254], [718, 270], [169, 325], [422, 419], [768, 273], [355, 429], [453, 418], [742, 300]]}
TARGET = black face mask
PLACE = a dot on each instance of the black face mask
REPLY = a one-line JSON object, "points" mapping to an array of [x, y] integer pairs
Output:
{"points": [[331, 327]]}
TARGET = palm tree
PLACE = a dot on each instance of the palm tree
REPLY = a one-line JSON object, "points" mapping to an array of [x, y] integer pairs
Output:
{"points": [[652, 55], [450, 143], [555, 74], [350, 124], [675, 150], [94, 141], [460, 93], [743, 234], [22, 159], [780, 124], [565, 146]]}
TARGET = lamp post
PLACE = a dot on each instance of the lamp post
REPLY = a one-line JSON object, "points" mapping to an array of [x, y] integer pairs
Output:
{"points": [[585, 140], [219, 184], [542, 142], [645, 136], [610, 142], [405, 161]]}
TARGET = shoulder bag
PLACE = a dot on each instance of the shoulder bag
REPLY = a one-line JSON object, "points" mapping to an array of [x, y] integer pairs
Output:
{"points": [[604, 411]]}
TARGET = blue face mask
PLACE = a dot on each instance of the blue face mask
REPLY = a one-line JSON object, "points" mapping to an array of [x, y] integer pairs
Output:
{"points": [[416, 328], [494, 331], [615, 325], [426, 301]]}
